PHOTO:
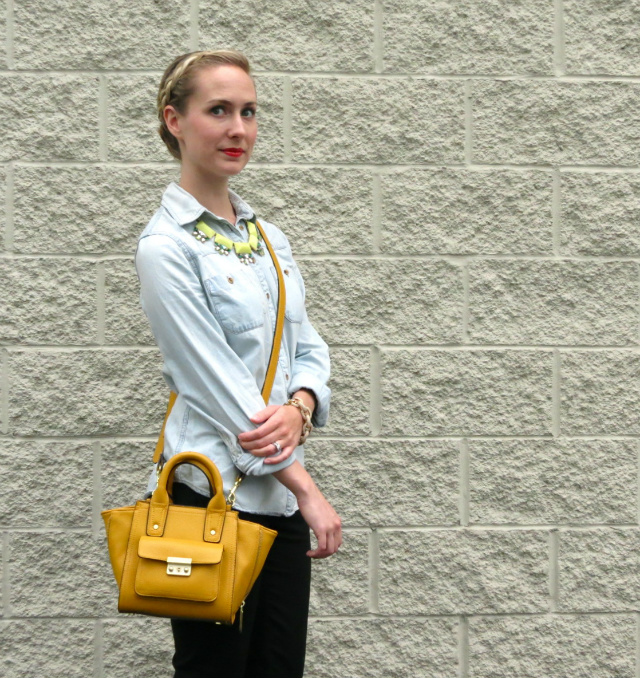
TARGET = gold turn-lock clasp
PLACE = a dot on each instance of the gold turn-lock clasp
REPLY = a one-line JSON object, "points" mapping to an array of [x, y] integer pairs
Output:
{"points": [[178, 567]]}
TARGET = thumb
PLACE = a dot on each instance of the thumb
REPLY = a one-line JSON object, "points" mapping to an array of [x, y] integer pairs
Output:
{"points": [[262, 416]]}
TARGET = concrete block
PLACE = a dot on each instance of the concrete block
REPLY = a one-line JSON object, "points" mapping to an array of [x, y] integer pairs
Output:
{"points": [[46, 647], [552, 122], [125, 321], [468, 37], [350, 386], [561, 646], [50, 301], [367, 122], [100, 34], [292, 36], [339, 584], [3, 223], [85, 392], [599, 392], [553, 302], [600, 213], [126, 466], [322, 210], [453, 211], [148, 649], [270, 91], [552, 481], [413, 482], [66, 128], [377, 648], [601, 37], [46, 484], [463, 571], [369, 301], [89, 210], [460, 392], [599, 570], [61, 574]]}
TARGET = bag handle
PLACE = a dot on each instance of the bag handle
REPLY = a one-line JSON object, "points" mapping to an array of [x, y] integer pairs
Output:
{"points": [[273, 359]]}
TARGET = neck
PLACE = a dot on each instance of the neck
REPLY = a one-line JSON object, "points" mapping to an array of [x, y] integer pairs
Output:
{"points": [[210, 192]]}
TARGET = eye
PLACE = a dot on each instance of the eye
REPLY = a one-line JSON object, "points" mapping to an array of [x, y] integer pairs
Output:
{"points": [[249, 112], [217, 110]]}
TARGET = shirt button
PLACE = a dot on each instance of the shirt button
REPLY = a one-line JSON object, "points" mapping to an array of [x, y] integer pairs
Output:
{"points": [[286, 270], [230, 279], [286, 376], [268, 295], [242, 227]]}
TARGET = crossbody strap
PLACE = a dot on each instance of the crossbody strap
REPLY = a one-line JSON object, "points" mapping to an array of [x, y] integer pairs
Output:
{"points": [[275, 348]]}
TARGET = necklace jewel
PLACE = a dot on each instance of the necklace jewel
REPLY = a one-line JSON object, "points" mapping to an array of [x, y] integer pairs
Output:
{"points": [[222, 245]]}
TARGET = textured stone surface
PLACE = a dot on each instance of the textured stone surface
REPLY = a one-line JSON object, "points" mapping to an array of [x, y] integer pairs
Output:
{"points": [[86, 392], [558, 646], [599, 570], [548, 481], [339, 585], [47, 484], [468, 37], [381, 301], [555, 122], [351, 392], [3, 216], [289, 35], [377, 648], [100, 34], [600, 213], [91, 209], [494, 392], [49, 117], [53, 648], [322, 210], [549, 302], [453, 211], [125, 322], [61, 574], [601, 37], [133, 122], [463, 571], [599, 392], [50, 301], [147, 651], [366, 121], [377, 483], [126, 466]]}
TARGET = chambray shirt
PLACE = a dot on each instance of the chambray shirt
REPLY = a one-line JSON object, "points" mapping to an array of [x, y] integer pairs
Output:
{"points": [[213, 318]]}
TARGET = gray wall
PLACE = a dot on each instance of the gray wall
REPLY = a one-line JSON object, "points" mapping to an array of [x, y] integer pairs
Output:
{"points": [[459, 180]]}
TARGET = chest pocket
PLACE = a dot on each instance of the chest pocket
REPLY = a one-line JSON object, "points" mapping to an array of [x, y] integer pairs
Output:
{"points": [[294, 311], [236, 299]]}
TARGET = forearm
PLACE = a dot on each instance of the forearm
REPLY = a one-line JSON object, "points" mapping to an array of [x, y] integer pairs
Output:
{"points": [[296, 479]]}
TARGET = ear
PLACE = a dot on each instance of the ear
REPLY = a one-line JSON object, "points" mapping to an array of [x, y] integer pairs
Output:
{"points": [[172, 121]]}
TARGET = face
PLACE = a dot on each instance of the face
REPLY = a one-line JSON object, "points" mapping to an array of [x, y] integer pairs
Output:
{"points": [[218, 128]]}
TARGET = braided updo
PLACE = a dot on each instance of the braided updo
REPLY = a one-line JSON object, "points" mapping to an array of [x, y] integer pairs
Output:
{"points": [[176, 85]]}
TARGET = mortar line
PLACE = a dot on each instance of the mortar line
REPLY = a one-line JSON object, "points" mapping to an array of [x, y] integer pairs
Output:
{"points": [[468, 124], [559, 57], [194, 25], [554, 538], [556, 382], [638, 483], [374, 571], [376, 213], [9, 200], [463, 646], [98, 649], [97, 488], [103, 136], [6, 585], [287, 118], [9, 31], [4, 391], [638, 645], [378, 37], [100, 303], [556, 212], [464, 483], [375, 411], [466, 301]]}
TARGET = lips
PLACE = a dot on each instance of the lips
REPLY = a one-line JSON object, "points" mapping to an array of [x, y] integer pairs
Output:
{"points": [[233, 152]]}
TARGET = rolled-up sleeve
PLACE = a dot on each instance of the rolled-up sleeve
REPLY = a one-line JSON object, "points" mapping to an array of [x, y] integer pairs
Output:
{"points": [[206, 372]]}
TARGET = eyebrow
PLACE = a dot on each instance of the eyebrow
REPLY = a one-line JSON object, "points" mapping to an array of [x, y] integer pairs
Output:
{"points": [[226, 101]]}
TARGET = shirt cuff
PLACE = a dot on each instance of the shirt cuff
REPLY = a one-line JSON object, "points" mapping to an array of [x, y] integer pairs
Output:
{"points": [[321, 391], [248, 463]]}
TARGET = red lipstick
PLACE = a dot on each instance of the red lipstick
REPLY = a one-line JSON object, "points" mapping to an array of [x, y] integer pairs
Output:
{"points": [[233, 152]]}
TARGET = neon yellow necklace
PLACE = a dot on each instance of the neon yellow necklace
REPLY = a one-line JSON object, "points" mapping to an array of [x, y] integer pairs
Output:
{"points": [[223, 245]]}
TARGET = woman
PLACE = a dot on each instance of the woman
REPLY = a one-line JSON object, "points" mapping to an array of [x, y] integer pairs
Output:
{"points": [[212, 310]]}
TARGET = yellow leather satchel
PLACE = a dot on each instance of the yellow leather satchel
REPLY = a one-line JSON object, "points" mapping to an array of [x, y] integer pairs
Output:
{"points": [[185, 561]]}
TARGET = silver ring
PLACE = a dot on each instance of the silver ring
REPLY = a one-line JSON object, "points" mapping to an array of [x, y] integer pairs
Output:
{"points": [[278, 447]]}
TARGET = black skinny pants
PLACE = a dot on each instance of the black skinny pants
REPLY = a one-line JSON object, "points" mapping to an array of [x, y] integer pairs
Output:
{"points": [[274, 630]]}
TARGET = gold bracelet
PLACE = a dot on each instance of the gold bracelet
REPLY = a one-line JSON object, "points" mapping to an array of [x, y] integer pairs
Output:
{"points": [[307, 426]]}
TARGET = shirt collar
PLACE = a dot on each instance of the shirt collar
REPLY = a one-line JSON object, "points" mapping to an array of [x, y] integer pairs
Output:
{"points": [[185, 209]]}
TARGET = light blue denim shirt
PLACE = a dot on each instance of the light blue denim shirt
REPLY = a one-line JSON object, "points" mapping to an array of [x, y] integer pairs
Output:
{"points": [[213, 318]]}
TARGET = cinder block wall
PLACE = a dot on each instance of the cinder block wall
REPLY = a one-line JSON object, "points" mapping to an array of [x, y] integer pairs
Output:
{"points": [[460, 184]]}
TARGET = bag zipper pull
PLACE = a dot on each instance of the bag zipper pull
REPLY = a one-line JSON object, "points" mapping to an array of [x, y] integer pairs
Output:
{"points": [[241, 617]]}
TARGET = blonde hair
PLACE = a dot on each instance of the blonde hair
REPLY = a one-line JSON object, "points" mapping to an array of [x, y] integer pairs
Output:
{"points": [[176, 85]]}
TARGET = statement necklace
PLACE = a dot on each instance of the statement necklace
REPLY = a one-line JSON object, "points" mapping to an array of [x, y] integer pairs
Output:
{"points": [[243, 250]]}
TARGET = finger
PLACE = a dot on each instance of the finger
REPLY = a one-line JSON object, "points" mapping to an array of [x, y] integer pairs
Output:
{"points": [[263, 415], [320, 551], [285, 454], [266, 430]]}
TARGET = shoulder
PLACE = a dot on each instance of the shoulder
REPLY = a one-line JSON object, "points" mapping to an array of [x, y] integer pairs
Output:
{"points": [[164, 238]]}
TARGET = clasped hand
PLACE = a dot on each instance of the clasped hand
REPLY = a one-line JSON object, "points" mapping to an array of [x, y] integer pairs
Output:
{"points": [[281, 423]]}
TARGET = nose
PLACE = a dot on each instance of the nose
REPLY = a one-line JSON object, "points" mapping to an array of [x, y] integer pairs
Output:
{"points": [[236, 126]]}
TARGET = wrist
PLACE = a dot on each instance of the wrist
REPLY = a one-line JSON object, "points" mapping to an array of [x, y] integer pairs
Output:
{"points": [[305, 413]]}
